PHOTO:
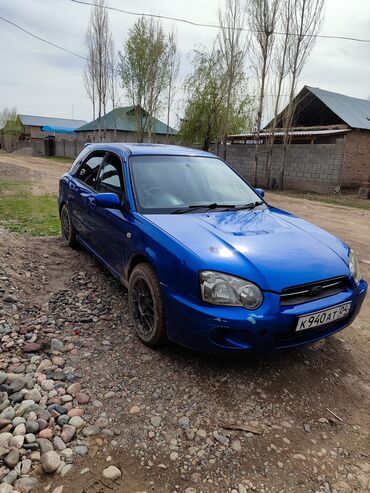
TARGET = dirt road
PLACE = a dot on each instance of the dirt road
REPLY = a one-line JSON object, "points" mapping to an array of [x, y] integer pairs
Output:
{"points": [[167, 414]]}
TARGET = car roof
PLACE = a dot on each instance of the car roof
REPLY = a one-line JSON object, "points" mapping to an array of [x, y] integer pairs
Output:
{"points": [[150, 149]]}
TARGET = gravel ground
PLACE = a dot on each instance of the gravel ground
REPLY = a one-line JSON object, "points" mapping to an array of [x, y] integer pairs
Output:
{"points": [[169, 420]]}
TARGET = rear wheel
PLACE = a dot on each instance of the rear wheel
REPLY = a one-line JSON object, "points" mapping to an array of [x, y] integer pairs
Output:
{"points": [[68, 230], [146, 306]]}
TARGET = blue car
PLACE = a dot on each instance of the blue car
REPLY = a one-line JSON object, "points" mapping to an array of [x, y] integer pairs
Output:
{"points": [[207, 262]]}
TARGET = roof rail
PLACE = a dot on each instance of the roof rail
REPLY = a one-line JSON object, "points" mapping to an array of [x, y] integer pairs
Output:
{"points": [[87, 144]]}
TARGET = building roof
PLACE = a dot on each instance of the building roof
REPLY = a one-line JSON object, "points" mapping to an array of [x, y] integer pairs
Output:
{"points": [[295, 132], [41, 121], [124, 119], [354, 111], [317, 107]]}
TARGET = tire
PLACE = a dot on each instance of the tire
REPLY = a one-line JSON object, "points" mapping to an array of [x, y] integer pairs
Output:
{"points": [[146, 305], [68, 230]]}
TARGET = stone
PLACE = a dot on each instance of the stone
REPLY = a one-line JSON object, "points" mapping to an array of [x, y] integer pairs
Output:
{"points": [[236, 445], [184, 422], [174, 455], [3, 377], [6, 488], [47, 385], [32, 427], [82, 398], [33, 395], [76, 421], [156, 421], [74, 389], [63, 420], [76, 412], [27, 406], [68, 432], [81, 450], [10, 477], [30, 437], [12, 459], [58, 443], [58, 489], [5, 439], [299, 457], [26, 484], [8, 413], [46, 433], [45, 445], [90, 430], [17, 442], [26, 466], [50, 461], [19, 430], [31, 347], [135, 410], [112, 472], [56, 344], [65, 470]]}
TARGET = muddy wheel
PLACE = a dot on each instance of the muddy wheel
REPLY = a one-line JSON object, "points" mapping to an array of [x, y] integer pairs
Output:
{"points": [[68, 230], [146, 306]]}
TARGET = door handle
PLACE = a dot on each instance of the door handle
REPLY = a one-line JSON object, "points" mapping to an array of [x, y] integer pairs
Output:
{"points": [[72, 186], [92, 201]]}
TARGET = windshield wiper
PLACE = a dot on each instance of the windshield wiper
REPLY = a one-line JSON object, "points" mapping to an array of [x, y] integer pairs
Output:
{"points": [[251, 205], [207, 207]]}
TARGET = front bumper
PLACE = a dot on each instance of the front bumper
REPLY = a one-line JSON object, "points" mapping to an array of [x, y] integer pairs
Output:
{"points": [[215, 329]]}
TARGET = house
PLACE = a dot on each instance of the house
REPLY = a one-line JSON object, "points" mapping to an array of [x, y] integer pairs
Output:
{"points": [[39, 132], [329, 143], [121, 125]]}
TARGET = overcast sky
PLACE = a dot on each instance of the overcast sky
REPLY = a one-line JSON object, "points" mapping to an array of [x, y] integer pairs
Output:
{"points": [[41, 80]]}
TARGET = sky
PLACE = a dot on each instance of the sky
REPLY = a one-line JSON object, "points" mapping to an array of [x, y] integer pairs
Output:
{"points": [[39, 79]]}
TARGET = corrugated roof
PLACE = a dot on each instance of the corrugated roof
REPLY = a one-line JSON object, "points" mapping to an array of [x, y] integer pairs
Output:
{"points": [[41, 121], [355, 112], [124, 119], [292, 133]]}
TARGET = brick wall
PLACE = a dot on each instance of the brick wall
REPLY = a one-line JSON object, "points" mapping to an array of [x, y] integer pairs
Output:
{"points": [[310, 167], [356, 162]]}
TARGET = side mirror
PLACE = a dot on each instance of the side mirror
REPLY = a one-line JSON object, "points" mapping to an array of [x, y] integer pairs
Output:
{"points": [[108, 200], [260, 192]]}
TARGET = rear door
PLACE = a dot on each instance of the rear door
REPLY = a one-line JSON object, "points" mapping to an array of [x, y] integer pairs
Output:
{"points": [[110, 225], [82, 192]]}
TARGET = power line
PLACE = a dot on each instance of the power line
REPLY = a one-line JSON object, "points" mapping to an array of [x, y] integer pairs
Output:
{"points": [[216, 26], [44, 40]]}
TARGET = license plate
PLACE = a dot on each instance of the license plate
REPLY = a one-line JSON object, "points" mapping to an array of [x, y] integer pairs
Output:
{"points": [[323, 317]]}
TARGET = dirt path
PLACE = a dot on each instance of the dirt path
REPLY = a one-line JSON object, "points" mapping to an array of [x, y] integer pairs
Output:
{"points": [[164, 415]]}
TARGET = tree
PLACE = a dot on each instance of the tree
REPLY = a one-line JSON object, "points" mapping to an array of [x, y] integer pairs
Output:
{"points": [[306, 22], [7, 114], [173, 71], [98, 41], [262, 17], [232, 45], [143, 68]]}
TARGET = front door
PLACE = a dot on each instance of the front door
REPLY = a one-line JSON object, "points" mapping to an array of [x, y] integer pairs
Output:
{"points": [[110, 224]]}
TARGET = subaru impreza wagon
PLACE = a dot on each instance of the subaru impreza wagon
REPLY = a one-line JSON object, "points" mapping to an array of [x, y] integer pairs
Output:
{"points": [[208, 263]]}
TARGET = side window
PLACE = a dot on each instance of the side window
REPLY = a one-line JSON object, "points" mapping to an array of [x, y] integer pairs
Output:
{"points": [[78, 160], [88, 172], [110, 177]]}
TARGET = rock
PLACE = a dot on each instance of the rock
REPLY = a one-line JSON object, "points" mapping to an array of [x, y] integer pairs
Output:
{"points": [[58, 443], [47, 385], [27, 406], [45, 445], [4, 422], [112, 472], [3, 377], [56, 345], [26, 466], [42, 424], [74, 389], [50, 461], [19, 430], [30, 437], [56, 410], [90, 430], [323, 420], [102, 422], [46, 433], [135, 410], [5, 439], [76, 421], [32, 427], [184, 422], [6, 488], [221, 438], [10, 477], [17, 442], [242, 488], [8, 413], [26, 484], [33, 395], [174, 455], [75, 412], [236, 445], [81, 450], [67, 455], [299, 457], [12, 459], [31, 347], [65, 470], [190, 490], [68, 433], [82, 398], [58, 489], [63, 420], [156, 421]]}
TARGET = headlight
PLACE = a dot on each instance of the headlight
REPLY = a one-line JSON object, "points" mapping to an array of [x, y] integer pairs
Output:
{"points": [[223, 289], [353, 266]]}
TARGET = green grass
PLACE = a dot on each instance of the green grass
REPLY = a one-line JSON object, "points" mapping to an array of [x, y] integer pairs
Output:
{"points": [[60, 159], [344, 199], [29, 214]]}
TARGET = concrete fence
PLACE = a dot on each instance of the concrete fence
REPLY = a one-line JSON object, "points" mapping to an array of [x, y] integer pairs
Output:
{"points": [[311, 167]]}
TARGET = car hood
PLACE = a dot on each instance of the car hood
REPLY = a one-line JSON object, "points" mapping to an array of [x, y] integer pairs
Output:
{"points": [[268, 246]]}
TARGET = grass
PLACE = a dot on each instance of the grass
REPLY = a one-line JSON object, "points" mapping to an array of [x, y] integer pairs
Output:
{"points": [[24, 213], [60, 159], [343, 198]]}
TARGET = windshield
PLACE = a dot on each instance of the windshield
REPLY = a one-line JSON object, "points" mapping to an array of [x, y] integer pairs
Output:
{"points": [[164, 184]]}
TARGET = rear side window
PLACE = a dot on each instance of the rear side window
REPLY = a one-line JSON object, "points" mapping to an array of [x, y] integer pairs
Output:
{"points": [[110, 177], [89, 170]]}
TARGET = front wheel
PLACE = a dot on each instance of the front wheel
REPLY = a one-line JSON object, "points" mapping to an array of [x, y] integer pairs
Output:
{"points": [[146, 306], [68, 230]]}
